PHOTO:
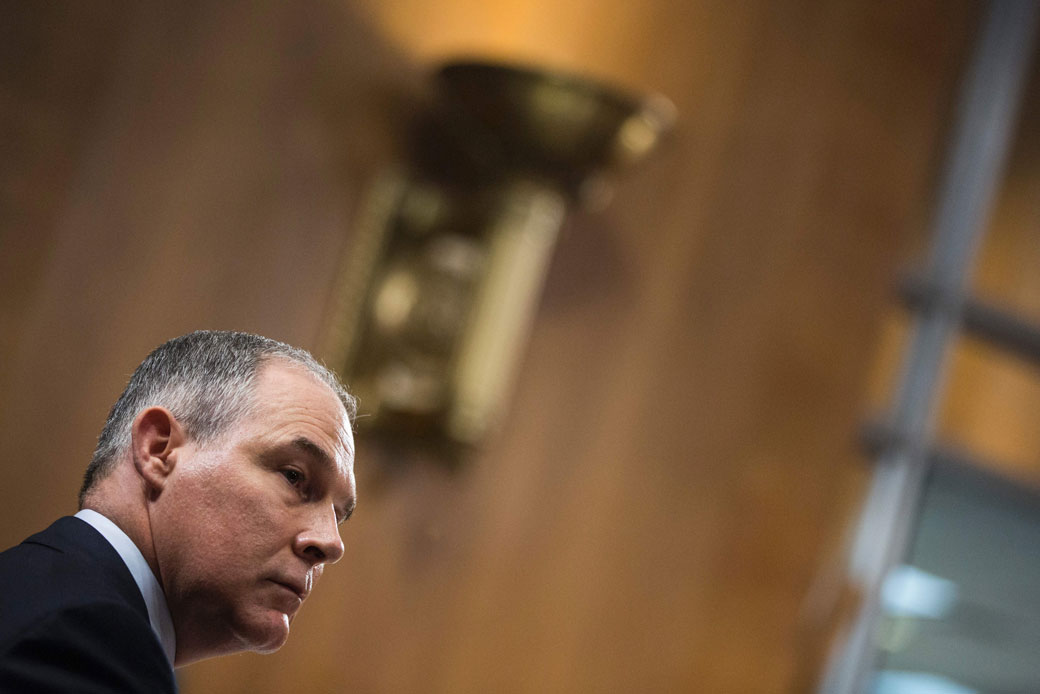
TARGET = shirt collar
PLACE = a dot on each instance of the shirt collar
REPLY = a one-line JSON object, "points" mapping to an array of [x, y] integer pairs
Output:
{"points": [[154, 598]]}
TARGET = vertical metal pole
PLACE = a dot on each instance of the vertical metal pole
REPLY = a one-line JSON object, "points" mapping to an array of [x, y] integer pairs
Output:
{"points": [[983, 125]]}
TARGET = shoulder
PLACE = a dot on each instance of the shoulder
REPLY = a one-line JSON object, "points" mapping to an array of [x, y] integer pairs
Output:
{"points": [[98, 646], [72, 618], [67, 565]]}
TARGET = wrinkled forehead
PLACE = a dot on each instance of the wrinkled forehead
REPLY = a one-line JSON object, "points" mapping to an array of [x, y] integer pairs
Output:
{"points": [[288, 396], [344, 431], [347, 449]]}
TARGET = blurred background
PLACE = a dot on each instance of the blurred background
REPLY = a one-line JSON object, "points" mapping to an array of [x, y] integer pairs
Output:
{"points": [[669, 500]]}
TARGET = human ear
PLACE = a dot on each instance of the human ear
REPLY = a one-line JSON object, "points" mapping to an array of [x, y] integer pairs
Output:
{"points": [[155, 437]]}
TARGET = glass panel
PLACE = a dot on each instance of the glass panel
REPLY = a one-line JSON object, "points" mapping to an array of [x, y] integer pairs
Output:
{"points": [[962, 615]]}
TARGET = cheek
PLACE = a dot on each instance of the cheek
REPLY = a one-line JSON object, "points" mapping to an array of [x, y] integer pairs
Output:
{"points": [[215, 525]]}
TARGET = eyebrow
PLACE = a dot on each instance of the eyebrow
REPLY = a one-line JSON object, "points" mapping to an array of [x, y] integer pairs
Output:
{"points": [[312, 450]]}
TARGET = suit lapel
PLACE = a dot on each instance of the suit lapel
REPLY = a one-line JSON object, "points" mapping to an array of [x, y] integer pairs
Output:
{"points": [[77, 537]]}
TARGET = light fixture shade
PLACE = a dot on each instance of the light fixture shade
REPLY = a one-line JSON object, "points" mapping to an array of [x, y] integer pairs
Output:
{"points": [[439, 290]]}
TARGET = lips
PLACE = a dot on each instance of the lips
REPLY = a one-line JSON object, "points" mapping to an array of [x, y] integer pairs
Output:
{"points": [[297, 587]]}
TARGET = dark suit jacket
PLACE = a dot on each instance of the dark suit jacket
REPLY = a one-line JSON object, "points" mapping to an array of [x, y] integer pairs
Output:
{"points": [[72, 619]]}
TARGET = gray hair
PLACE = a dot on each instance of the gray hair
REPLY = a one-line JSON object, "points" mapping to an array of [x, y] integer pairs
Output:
{"points": [[205, 379]]}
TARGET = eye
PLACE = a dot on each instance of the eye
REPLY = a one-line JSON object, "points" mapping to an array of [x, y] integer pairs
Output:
{"points": [[293, 476]]}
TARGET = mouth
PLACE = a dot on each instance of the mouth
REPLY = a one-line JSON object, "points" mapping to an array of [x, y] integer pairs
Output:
{"points": [[297, 589]]}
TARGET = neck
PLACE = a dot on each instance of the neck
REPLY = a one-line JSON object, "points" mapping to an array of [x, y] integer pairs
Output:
{"points": [[121, 498]]}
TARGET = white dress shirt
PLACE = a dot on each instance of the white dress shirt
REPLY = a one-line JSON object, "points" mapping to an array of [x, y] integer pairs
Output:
{"points": [[151, 591]]}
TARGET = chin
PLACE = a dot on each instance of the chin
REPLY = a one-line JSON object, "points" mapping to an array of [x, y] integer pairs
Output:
{"points": [[267, 634], [269, 648]]}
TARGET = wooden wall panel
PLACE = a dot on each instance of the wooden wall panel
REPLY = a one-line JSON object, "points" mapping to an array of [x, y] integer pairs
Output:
{"points": [[206, 180], [679, 453]]}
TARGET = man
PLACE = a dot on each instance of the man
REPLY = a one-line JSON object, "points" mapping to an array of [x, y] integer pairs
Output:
{"points": [[208, 512]]}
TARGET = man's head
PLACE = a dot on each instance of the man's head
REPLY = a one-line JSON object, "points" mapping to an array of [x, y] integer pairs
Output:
{"points": [[229, 457], [205, 378]]}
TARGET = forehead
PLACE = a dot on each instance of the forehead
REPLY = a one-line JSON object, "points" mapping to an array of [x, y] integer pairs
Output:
{"points": [[291, 404]]}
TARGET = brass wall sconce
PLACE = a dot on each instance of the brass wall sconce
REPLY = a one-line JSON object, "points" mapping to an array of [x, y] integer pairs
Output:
{"points": [[441, 285]]}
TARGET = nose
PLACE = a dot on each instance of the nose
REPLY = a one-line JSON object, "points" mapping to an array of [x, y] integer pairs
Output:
{"points": [[319, 542]]}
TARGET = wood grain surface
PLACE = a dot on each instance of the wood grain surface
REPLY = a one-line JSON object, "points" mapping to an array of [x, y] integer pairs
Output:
{"points": [[679, 461]]}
